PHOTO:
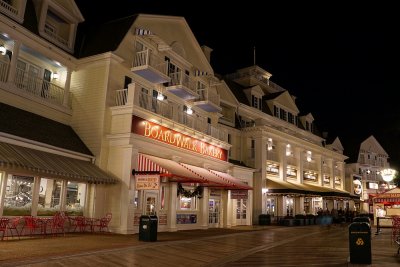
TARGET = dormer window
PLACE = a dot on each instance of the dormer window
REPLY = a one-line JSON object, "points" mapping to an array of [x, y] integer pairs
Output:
{"points": [[13, 9], [256, 102], [58, 25]]}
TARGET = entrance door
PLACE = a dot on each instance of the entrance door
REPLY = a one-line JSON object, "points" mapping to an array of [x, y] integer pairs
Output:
{"points": [[213, 212], [150, 203], [241, 212]]}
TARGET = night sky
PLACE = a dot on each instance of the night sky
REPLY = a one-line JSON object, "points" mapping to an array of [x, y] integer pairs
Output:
{"points": [[337, 60]]}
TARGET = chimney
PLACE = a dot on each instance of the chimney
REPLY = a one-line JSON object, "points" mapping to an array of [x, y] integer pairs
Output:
{"points": [[207, 51]]}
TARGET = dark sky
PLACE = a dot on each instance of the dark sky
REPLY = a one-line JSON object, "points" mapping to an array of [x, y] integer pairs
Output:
{"points": [[338, 60]]}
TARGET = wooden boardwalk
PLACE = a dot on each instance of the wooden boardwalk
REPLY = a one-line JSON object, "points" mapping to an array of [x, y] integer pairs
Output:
{"points": [[268, 246]]}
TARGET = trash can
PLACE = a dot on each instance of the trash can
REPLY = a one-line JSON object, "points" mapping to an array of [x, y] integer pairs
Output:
{"points": [[264, 219], [148, 228], [360, 243]]}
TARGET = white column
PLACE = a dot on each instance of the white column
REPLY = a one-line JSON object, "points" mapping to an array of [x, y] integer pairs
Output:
{"points": [[331, 165], [204, 208], [230, 211], [281, 149], [173, 189], [35, 195], [13, 63], [318, 162], [259, 176], [67, 86], [224, 206], [3, 184], [299, 154], [63, 195]]}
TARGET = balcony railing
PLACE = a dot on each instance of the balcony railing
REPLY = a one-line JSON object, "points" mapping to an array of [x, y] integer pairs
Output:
{"points": [[150, 67], [182, 85], [38, 87], [34, 86], [167, 110], [8, 9], [206, 95]]}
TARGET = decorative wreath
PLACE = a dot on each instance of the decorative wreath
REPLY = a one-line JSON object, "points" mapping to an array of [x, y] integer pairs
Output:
{"points": [[197, 192]]}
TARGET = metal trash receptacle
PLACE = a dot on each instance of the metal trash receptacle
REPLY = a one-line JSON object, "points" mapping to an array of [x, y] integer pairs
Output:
{"points": [[148, 228], [264, 219], [360, 243]]}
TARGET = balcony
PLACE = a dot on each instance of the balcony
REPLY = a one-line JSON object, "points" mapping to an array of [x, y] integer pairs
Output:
{"points": [[170, 111], [183, 86], [28, 85], [207, 101], [8, 9], [150, 67]]}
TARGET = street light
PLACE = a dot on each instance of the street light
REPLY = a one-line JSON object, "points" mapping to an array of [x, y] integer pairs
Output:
{"points": [[388, 174]]}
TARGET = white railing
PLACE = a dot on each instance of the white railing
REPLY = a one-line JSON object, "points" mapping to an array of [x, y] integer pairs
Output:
{"points": [[165, 109], [206, 95], [9, 9], [38, 87], [121, 97], [3, 70], [147, 58], [182, 79]]}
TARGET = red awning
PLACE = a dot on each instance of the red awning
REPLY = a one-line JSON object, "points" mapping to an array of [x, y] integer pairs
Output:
{"points": [[186, 173]]}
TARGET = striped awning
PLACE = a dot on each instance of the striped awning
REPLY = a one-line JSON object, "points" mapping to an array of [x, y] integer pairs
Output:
{"points": [[33, 162], [186, 173]]}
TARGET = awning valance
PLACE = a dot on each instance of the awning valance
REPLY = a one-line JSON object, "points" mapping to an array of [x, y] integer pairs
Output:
{"points": [[186, 173], [39, 163]]}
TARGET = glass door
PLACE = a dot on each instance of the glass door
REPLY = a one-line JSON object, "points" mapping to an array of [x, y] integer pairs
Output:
{"points": [[213, 212], [241, 212], [150, 203]]}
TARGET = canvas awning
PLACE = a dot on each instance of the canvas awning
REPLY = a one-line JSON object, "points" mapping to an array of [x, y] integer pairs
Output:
{"points": [[33, 162], [285, 187], [186, 173]]}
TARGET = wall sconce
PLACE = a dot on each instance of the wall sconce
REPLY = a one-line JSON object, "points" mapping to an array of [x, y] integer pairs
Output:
{"points": [[189, 111], [308, 156], [3, 49], [56, 76], [269, 144], [160, 96]]}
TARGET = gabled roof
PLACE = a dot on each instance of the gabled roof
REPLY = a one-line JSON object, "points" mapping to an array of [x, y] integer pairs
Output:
{"points": [[30, 126], [285, 99], [371, 144], [237, 90]]}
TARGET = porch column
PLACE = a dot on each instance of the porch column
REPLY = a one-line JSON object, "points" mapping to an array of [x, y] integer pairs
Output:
{"points": [[173, 188], [35, 195], [3, 184], [224, 196], [63, 195], [204, 208], [13, 63], [259, 175], [67, 86]]}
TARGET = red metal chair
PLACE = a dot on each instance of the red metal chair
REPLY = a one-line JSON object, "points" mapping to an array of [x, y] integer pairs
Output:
{"points": [[57, 223], [3, 226], [33, 224], [13, 226], [78, 222], [102, 223]]}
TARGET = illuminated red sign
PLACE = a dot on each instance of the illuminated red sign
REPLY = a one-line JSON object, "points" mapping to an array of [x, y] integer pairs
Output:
{"points": [[157, 132]]}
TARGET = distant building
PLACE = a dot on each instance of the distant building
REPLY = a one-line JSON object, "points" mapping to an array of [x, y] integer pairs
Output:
{"points": [[296, 172], [363, 172]]}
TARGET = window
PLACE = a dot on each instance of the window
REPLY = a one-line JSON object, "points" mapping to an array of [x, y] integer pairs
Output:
{"points": [[76, 196], [283, 114], [290, 118], [18, 197], [49, 196], [276, 111], [256, 102]]}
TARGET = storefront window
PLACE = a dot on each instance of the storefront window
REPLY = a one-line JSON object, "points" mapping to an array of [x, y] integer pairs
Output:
{"points": [[76, 195], [289, 206], [49, 196], [18, 197]]}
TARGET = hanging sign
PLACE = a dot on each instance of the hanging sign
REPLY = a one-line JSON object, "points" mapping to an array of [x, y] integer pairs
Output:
{"points": [[147, 181]]}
